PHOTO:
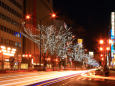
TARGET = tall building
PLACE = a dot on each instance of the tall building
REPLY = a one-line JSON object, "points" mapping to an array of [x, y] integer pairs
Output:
{"points": [[40, 12], [113, 38], [11, 13]]}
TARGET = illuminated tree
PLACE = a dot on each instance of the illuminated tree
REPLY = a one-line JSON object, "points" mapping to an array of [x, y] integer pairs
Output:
{"points": [[55, 41]]}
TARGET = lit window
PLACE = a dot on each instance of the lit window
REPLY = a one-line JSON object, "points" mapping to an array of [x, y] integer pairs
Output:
{"points": [[19, 44], [16, 43]]}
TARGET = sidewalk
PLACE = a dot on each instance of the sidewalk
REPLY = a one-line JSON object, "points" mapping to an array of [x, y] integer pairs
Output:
{"points": [[34, 70], [15, 71]]}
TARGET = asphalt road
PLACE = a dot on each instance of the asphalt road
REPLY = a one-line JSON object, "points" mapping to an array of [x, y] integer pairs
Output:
{"points": [[82, 81], [55, 78], [78, 80], [27, 78]]}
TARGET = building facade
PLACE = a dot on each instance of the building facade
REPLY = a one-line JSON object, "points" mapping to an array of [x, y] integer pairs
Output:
{"points": [[11, 13]]}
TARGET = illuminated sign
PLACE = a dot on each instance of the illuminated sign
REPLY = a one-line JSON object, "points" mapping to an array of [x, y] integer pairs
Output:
{"points": [[113, 36], [80, 41], [7, 51], [113, 23], [91, 53]]}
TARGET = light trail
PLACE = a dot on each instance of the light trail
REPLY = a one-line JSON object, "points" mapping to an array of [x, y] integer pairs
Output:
{"points": [[20, 75], [98, 77], [35, 79]]}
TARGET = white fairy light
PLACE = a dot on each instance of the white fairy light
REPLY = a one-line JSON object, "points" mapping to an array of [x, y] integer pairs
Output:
{"points": [[57, 41]]}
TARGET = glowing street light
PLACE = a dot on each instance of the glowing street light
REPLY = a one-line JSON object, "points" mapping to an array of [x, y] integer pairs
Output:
{"points": [[102, 59], [110, 41], [107, 48], [73, 36], [26, 55], [101, 55], [101, 49], [27, 17], [30, 55], [53, 15], [23, 55], [101, 41]]}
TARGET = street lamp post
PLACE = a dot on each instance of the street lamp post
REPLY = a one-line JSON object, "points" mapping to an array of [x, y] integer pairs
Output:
{"points": [[105, 50]]}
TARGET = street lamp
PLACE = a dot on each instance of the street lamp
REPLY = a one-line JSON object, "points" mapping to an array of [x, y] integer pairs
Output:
{"points": [[53, 15], [27, 17], [101, 41], [73, 36], [101, 49], [102, 58], [101, 55], [105, 48]]}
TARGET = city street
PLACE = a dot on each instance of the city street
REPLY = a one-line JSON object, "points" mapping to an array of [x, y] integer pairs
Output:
{"points": [[27, 78], [57, 43], [56, 78], [80, 80]]}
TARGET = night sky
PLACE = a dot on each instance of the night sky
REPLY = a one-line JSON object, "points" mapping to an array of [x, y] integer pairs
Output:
{"points": [[92, 15]]}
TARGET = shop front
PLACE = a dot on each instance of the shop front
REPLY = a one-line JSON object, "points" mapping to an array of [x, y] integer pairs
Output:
{"points": [[7, 58]]}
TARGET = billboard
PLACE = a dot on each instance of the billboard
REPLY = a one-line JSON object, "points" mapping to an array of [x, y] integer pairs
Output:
{"points": [[80, 42]]}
